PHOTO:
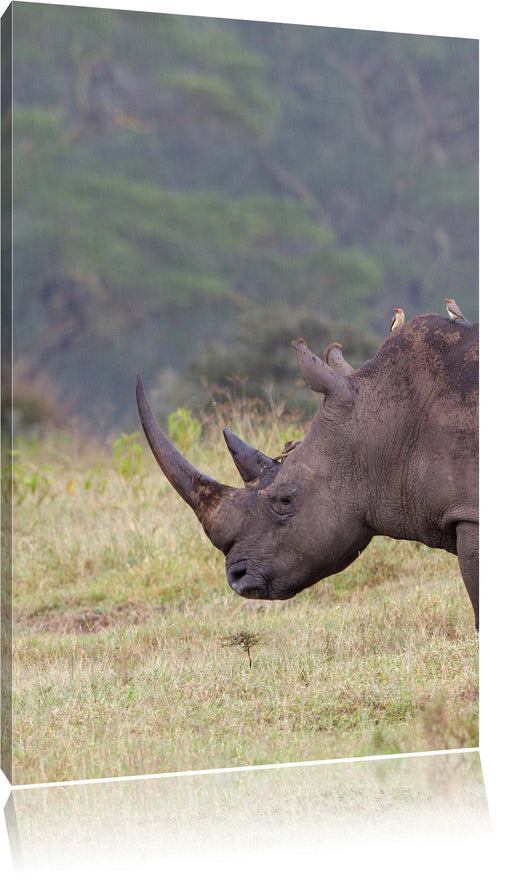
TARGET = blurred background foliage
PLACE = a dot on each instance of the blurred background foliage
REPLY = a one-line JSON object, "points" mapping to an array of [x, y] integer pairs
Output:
{"points": [[190, 194]]}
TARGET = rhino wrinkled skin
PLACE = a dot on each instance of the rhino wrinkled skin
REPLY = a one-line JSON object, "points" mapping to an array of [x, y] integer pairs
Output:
{"points": [[392, 450]]}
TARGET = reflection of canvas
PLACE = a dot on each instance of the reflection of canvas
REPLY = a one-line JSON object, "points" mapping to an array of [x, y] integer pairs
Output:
{"points": [[210, 190], [251, 819]]}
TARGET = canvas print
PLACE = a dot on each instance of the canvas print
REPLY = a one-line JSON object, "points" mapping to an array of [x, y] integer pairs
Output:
{"points": [[239, 393]]}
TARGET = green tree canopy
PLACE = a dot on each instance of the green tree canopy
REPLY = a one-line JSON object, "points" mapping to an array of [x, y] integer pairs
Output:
{"points": [[174, 174], [258, 364]]}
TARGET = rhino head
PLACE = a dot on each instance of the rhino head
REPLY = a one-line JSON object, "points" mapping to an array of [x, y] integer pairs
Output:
{"points": [[293, 523]]}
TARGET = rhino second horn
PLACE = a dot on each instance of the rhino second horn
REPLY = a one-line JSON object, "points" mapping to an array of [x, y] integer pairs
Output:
{"points": [[322, 377], [202, 493], [251, 463], [334, 357]]}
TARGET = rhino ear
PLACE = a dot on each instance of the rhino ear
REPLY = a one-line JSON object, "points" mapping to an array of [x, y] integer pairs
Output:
{"points": [[251, 463], [322, 377]]}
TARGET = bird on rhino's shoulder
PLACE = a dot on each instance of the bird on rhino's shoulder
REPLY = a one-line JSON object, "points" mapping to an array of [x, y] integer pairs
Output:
{"points": [[398, 320], [454, 311]]}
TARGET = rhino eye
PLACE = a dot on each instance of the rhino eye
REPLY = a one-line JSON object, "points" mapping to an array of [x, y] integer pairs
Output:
{"points": [[283, 501]]}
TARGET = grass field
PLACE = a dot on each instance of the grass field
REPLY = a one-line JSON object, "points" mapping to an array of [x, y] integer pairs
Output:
{"points": [[130, 650]]}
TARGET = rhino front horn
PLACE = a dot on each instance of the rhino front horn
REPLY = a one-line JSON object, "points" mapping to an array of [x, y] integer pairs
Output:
{"points": [[202, 493]]}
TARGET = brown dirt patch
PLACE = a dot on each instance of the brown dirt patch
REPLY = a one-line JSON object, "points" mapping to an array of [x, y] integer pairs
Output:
{"points": [[89, 620]]}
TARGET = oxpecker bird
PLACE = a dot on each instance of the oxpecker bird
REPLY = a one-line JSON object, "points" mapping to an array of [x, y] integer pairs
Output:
{"points": [[453, 310], [398, 320]]}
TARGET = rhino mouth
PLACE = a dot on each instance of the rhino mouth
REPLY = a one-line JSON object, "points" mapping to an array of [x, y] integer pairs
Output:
{"points": [[247, 582]]}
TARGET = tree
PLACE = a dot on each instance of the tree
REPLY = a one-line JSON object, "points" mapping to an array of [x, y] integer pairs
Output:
{"points": [[190, 171], [258, 364]]}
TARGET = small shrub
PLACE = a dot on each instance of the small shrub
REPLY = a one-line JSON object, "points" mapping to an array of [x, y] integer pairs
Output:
{"points": [[27, 479], [128, 456], [183, 429], [246, 640]]}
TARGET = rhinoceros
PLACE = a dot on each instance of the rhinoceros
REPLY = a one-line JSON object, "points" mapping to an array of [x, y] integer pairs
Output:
{"points": [[392, 450]]}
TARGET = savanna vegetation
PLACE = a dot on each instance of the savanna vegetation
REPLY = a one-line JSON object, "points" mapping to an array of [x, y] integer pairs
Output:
{"points": [[132, 655]]}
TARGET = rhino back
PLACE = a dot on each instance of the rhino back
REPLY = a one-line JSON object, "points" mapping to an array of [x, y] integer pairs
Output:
{"points": [[419, 398]]}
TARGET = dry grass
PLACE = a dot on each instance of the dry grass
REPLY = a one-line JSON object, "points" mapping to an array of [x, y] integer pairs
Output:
{"points": [[122, 663]]}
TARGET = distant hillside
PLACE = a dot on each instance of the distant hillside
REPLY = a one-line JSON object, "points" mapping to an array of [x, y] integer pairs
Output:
{"points": [[176, 176]]}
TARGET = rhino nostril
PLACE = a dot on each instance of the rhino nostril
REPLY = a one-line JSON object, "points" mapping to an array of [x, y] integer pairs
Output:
{"points": [[237, 573]]}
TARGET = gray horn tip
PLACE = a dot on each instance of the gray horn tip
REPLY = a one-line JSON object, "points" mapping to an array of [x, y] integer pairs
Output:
{"points": [[230, 437]]}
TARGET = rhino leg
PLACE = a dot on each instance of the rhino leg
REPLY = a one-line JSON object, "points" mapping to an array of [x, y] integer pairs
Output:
{"points": [[467, 553]]}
